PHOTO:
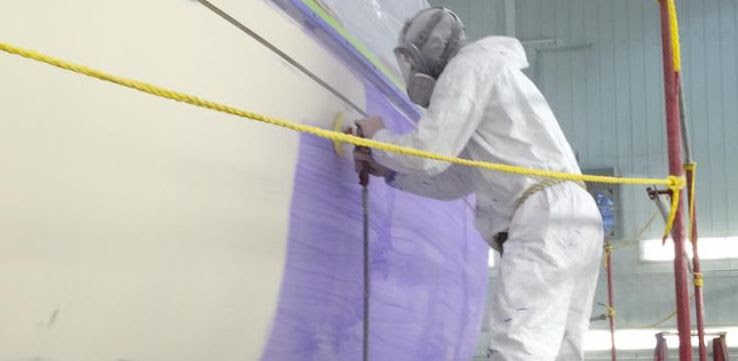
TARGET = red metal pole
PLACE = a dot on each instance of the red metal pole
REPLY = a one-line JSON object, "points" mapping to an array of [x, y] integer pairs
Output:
{"points": [[696, 266], [611, 301], [673, 129]]}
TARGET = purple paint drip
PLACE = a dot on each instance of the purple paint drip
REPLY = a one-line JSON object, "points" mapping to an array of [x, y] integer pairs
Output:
{"points": [[428, 266]]}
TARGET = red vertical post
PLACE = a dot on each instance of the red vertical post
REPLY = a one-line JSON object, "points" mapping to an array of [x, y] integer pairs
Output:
{"points": [[610, 301], [696, 265], [674, 139]]}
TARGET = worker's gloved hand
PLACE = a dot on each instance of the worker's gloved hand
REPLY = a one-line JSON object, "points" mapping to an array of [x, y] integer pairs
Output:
{"points": [[363, 160], [370, 126]]}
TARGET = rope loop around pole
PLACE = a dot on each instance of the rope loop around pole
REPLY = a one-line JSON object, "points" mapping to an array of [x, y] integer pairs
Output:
{"points": [[699, 280]]}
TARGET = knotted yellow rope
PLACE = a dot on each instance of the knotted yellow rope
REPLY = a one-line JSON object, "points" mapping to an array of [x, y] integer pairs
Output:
{"points": [[699, 280], [610, 312], [674, 183], [608, 251], [691, 168]]}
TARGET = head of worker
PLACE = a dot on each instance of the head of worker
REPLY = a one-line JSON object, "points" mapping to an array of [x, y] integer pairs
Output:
{"points": [[426, 44]]}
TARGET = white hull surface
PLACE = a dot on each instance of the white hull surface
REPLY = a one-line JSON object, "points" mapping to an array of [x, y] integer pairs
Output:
{"points": [[136, 228]]}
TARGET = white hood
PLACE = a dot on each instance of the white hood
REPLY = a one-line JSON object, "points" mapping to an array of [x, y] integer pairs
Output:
{"points": [[510, 49]]}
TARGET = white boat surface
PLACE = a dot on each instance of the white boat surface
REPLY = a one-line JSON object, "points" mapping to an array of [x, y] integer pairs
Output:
{"points": [[120, 209]]}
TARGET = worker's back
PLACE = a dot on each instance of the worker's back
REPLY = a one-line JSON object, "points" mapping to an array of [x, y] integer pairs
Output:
{"points": [[518, 128]]}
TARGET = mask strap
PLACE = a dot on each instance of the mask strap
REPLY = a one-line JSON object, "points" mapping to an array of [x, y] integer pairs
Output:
{"points": [[425, 33], [414, 47], [453, 43]]}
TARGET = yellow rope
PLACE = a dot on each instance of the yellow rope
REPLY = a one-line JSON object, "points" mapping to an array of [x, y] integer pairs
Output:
{"points": [[610, 312], [608, 250], [699, 280], [676, 191], [657, 323], [674, 183], [329, 134], [674, 28], [692, 168], [637, 236]]}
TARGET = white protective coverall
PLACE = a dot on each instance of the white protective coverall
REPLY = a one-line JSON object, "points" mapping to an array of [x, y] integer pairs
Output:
{"points": [[484, 108]]}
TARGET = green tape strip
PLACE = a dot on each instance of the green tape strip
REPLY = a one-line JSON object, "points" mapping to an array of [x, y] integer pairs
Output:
{"points": [[353, 41]]}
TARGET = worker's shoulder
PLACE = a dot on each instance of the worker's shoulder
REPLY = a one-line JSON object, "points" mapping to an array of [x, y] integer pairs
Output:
{"points": [[494, 50]]}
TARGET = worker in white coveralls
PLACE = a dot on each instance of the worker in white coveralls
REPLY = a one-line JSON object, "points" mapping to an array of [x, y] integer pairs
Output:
{"points": [[481, 106]]}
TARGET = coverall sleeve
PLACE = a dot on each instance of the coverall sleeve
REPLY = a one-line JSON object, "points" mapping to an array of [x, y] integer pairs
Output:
{"points": [[453, 183], [456, 109]]}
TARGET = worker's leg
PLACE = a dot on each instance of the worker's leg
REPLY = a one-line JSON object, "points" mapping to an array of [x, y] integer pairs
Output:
{"points": [[530, 299], [580, 307], [550, 242], [580, 311], [589, 230]]}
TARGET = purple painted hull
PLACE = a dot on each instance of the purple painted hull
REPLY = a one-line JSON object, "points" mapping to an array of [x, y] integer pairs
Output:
{"points": [[428, 268]]}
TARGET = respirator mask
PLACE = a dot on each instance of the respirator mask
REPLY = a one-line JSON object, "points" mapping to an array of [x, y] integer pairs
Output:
{"points": [[427, 43]]}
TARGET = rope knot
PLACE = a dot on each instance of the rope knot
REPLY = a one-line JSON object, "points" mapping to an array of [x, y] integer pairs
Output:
{"points": [[698, 279], [608, 250], [610, 312], [676, 183]]}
